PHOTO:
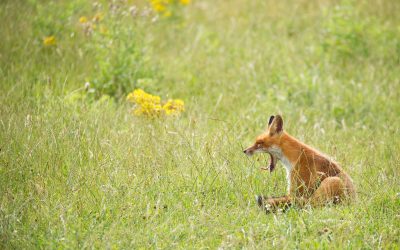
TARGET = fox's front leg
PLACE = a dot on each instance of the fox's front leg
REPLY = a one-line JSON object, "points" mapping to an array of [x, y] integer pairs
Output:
{"points": [[271, 204]]}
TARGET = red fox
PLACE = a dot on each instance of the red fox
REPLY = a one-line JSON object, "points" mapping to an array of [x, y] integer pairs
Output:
{"points": [[312, 177]]}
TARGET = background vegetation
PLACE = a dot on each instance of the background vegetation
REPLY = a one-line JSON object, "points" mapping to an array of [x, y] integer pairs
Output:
{"points": [[79, 170]]}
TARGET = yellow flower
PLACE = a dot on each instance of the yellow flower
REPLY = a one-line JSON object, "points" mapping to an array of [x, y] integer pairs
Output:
{"points": [[146, 104], [49, 41], [184, 2], [158, 7], [154, 2], [98, 17], [142, 97], [174, 107], [150, 105], [83, 19]]}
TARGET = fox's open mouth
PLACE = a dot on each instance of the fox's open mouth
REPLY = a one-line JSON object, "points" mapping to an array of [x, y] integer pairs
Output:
{"points": [[272, 163]]}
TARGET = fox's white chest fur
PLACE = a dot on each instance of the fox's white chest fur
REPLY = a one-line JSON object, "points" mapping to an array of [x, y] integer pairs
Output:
{"points": [[278, 154]]}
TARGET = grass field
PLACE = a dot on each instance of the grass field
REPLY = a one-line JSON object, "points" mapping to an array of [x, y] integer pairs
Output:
{"points": [[79, 170]]}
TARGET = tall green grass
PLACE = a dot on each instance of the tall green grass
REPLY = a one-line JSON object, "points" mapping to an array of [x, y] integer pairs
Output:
{"points": [[78, 170]]}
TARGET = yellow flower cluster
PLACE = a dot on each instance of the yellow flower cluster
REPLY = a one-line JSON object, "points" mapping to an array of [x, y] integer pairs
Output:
{"points": [[150, 105], [174, 107], [49, 41], [147, 104], [164, 6]]}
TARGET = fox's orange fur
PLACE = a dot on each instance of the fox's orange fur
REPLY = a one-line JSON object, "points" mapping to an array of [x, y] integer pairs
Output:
{"points": [[313, 178]]}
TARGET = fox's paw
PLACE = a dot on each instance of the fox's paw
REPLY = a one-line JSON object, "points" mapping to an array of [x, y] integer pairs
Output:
{"points": [[336, 200], [269, 208], [263, 204]]}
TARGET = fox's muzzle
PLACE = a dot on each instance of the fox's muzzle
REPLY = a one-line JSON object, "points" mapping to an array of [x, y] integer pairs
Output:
{"points": [[248, 151]]}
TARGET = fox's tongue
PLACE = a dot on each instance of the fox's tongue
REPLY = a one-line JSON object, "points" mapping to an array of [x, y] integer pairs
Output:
{"points": [[272, 164]]}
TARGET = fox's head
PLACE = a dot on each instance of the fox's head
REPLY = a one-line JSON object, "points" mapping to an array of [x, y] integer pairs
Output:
{"points": [[266, 140]]}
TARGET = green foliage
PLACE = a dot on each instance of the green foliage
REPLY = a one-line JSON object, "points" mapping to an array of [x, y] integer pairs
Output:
{"points": [[121, 57], [55, 18], [345, 35]]}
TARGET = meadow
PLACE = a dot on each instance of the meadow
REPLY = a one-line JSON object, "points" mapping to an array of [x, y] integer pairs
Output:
{"points": [[80, 168]]}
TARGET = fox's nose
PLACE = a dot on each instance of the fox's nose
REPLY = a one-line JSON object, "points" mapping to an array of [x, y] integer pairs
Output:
{"points": [[244, 151]]}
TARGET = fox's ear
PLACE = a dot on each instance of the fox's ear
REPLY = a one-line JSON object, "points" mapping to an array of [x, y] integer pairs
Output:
{"points": [[276, 126], [270, 120]]}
